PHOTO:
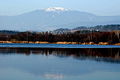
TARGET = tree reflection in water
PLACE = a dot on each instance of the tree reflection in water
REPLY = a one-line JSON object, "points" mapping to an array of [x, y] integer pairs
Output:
{"points": [[98, 54]]}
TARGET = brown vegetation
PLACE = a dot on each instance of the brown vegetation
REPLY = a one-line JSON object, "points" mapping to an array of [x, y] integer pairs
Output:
{"points": [[98, 38]]}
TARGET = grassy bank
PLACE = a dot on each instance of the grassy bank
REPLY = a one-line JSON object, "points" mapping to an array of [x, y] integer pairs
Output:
{"points": [[44, 42]]}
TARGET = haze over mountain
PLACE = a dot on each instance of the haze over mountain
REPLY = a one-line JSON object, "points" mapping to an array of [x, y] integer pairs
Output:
{"points": [[54, 18]]}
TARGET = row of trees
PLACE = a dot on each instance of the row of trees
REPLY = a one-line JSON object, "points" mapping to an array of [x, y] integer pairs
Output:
{"points": [[111, 37]]}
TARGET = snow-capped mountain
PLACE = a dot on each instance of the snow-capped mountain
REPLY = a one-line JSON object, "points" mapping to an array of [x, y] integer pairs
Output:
{"points": [[54, 18], [56, 9]]}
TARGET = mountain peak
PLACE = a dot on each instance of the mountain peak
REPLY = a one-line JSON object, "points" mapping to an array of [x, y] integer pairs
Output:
{"points": [[56, 9]]}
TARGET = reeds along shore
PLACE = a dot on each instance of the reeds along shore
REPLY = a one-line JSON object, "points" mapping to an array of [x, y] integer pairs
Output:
{"points": [[44, 42]]}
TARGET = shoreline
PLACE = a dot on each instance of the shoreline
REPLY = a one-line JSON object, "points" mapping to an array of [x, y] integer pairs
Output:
{"points": [[45, 42]]}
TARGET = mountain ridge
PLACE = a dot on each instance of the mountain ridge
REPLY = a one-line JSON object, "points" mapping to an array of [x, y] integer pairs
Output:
{"points": [[50, 20]]}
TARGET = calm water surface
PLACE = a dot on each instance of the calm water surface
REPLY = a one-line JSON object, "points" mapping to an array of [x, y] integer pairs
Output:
{"points": [[59, 64], [55, 45]]}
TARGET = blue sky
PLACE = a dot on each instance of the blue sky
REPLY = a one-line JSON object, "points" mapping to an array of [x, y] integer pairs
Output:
{"points": [[98, 7]]}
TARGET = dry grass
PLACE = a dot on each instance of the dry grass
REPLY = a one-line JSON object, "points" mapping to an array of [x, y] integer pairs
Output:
{"points": [[44, 42]]}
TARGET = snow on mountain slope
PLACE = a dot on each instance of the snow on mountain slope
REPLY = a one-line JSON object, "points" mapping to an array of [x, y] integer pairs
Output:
{"points": [[56, 9]]}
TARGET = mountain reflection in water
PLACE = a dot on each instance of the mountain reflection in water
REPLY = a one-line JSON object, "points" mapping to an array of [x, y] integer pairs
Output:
{"points": [[98, 54]]}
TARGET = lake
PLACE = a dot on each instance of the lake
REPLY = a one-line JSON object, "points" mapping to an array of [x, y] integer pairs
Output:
{"points": [[31, 45], [59, 62]]}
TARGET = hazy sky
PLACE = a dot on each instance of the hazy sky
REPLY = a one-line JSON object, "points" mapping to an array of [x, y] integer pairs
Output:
{"points": [[98, 7]]}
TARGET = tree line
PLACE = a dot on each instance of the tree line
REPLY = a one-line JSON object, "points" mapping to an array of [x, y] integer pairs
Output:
{"points": [[96, 37]]}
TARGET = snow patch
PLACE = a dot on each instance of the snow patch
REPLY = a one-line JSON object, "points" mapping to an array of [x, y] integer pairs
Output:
{"points": [[56, 9]]}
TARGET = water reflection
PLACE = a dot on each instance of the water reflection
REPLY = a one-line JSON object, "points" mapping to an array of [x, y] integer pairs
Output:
{"points": [[98, 54], [59, 64]]}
